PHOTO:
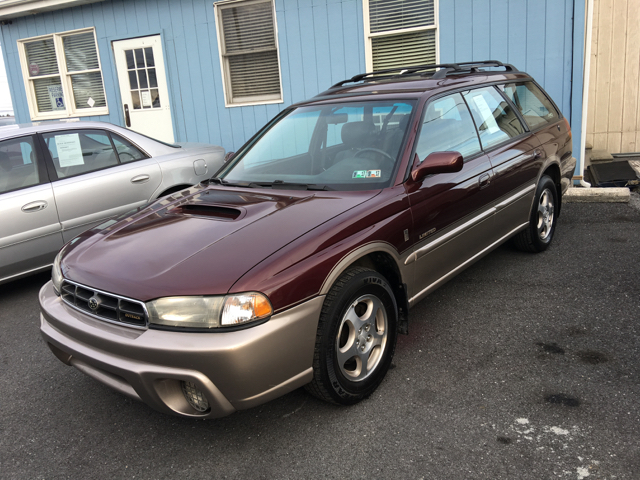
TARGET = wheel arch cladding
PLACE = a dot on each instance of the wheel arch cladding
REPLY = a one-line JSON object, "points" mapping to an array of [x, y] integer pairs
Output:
{"points": [[553, 171], [385, 265]]}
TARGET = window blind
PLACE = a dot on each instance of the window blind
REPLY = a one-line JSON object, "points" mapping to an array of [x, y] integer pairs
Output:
{"points": [[41, 57], [250, 52], [404, 50], [387, 15], [80, 52]]}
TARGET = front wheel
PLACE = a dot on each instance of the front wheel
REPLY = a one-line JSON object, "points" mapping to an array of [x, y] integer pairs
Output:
{"points": [[542, 222], [356, 337]]}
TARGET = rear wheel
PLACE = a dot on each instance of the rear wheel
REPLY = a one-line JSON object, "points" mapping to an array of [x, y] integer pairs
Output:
{"points": [[542, 223], [356, 337]]}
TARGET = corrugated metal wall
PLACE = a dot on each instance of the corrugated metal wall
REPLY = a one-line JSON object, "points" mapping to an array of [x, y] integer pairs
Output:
{"points": [[321, 42], [613, 120]]}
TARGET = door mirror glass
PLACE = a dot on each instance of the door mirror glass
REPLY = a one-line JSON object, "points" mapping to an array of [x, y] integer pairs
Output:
{"points": [[437, 162]]}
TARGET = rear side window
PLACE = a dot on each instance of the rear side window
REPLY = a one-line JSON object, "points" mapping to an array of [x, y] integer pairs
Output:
{"points": [[534, 105], [496, 120], [18, 164], [127, 152], [447, 127], [75, 152]]}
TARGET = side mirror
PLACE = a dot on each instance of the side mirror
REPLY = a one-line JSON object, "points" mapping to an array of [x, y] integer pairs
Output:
{"points": [[436, 162], [229, 156]]}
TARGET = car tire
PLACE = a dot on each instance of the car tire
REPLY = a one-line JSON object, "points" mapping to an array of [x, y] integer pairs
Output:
{"points": [[356, 337], [542, 222]]}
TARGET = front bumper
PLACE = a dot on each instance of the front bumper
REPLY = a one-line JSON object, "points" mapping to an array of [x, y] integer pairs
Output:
{"points": [[235, 370]]}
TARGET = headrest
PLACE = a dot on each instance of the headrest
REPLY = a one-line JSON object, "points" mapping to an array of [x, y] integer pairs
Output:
{"points": [[357, 134]]}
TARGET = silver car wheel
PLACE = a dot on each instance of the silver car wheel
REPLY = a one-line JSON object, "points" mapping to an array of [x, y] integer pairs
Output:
{"points": [[546, 214], [362, 338]]}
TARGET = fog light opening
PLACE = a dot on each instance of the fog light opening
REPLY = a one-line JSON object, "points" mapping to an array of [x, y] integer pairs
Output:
{"points": [[195, 397]]}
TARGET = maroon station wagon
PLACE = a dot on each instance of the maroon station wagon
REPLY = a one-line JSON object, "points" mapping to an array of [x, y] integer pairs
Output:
{"points": [[297, 264]]}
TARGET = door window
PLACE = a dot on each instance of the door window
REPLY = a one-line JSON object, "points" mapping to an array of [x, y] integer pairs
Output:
{"points": [[496, 120], [75, 152], [127, 152], [143, 82], [535, 107], [447, 127], [18, 164]]}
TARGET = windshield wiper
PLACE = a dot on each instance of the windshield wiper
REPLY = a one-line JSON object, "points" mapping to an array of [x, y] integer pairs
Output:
{"points": [[277, 184], [220, 181], [280, 184]]}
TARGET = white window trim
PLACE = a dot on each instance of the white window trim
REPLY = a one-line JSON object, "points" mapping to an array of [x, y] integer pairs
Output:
{"points": [[226, 77], [368, 50], [65, 79]]}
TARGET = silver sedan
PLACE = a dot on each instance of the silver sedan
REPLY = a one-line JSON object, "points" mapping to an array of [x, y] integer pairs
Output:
{"points": [[60, 179]]}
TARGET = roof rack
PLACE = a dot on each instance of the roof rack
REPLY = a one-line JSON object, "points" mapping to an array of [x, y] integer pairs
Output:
{"points": [[439, 71]]}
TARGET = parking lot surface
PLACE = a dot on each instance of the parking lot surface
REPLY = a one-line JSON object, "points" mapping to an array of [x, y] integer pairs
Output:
{"points": [[523, 367]]}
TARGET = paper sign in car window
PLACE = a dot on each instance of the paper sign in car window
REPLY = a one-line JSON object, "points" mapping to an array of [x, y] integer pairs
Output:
{"points": [[374, 174], [69, 150], [487, 114]]}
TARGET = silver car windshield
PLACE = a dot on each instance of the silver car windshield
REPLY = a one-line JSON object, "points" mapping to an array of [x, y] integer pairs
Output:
{"points": [[351, 146]]}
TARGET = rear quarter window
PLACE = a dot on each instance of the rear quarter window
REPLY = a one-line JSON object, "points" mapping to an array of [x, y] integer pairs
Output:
{"points": [[532, 103]]}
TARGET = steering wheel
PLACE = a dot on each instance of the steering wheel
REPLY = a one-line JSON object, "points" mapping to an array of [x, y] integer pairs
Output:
{"points": [[377, 150]]}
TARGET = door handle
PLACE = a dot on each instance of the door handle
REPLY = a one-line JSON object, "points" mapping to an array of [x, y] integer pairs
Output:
{"points": [[140, 179], [127, 119], [34, 206], [484, 180]]}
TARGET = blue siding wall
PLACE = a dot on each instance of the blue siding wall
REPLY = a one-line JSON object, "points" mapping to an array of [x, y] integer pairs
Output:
{"points": [[321, 42], [533, 35]]}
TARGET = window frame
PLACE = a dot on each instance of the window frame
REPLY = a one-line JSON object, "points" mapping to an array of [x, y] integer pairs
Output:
{"points": [[368, 35], [53, 172], [65, 78], [224, 62]]}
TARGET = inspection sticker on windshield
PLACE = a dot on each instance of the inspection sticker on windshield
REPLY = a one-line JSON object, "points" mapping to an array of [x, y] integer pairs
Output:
{"points": [[366, 174]]}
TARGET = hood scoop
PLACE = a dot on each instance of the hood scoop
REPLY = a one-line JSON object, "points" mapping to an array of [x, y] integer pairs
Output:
{"points": [[216, 212]]}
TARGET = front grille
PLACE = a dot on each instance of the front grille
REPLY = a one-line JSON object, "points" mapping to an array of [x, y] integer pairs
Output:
{"points": [[106, 306]]}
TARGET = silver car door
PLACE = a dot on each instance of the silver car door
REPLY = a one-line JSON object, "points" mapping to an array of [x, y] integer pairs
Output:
{"points": [[30, 232], [94, 182]]}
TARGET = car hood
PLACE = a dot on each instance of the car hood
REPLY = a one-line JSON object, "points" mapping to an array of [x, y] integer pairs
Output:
{"points": [[199, 243]]}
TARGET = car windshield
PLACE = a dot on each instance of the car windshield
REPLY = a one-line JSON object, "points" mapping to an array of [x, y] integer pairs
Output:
{"points": [[350, 146]]}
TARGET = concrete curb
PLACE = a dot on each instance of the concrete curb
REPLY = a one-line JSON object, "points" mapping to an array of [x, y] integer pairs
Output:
{"points": [[605, 195]]}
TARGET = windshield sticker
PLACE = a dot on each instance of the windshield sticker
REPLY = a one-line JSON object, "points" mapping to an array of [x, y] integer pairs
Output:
{"points": [[367, 174], [69, 150]]}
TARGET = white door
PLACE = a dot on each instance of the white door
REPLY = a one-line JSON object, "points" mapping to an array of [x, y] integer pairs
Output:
{"points": [[143, 86]]}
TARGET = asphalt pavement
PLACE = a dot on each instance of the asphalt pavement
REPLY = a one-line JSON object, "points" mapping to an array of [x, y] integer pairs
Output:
{"points": [[523, 367]]}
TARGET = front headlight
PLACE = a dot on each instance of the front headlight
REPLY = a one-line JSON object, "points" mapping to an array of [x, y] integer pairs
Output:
{"points": [[208, 312], [56, 274]]}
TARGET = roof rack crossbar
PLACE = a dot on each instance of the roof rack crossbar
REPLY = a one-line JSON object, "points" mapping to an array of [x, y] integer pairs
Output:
{"points": [[440, 71]]}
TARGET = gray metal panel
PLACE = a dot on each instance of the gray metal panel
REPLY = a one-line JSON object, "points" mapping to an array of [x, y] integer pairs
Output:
{"points": [[28, 239], [85, 200]]}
